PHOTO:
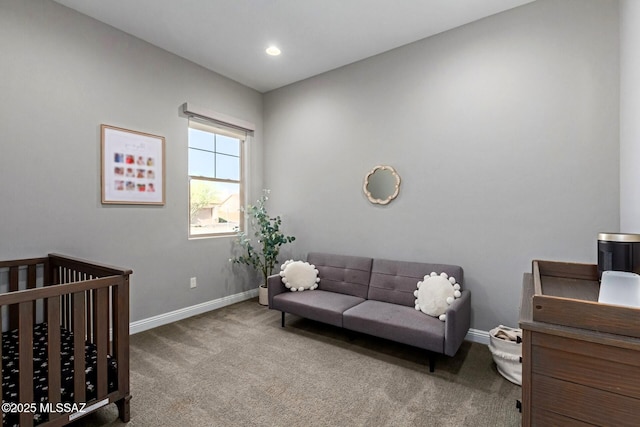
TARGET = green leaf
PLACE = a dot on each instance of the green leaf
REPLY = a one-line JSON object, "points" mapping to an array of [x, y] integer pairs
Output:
{"points": [[268, 235]]}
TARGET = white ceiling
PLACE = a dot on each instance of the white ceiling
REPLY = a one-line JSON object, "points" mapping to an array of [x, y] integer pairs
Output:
{"points": [[230, 36]]}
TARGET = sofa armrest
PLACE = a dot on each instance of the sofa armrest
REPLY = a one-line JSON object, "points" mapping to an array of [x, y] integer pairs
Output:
{"points": [[275, 287], [457, 323]]}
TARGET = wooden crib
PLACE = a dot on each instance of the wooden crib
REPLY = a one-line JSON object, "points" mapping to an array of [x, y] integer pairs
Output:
{"points": [[79, 365]]}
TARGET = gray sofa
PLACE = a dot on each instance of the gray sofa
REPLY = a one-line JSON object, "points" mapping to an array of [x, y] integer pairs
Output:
{"points": [[375, 297]]}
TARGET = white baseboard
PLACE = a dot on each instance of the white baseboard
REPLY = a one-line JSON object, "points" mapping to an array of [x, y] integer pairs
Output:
{"points": [[474, 335], [478, 336], [183, 313]]}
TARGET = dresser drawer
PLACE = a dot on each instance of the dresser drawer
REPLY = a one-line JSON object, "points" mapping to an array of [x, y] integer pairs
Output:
{"points": [[583, 403], [542, 418], [594, 365]]}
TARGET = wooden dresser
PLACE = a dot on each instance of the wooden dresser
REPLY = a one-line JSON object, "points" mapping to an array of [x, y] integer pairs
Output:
{"points": [[580, 358]]}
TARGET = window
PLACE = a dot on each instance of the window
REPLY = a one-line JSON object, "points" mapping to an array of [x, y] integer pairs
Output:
{"points": [[215, 179]]}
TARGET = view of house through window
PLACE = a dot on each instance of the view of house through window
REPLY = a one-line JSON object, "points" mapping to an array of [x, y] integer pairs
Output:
{"points": [[215, 179]]}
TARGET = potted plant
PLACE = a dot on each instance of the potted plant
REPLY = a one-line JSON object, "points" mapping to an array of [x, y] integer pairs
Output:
{"points": [[264, 255]]}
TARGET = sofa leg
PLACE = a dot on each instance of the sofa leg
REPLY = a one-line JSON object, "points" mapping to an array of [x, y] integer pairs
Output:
{"points": [[282, 325], [432, 362]]}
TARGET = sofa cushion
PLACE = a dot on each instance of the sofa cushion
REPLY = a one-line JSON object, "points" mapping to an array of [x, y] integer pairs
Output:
{"points": [[318, 305], [343, 274], [396, 322], [395, 281]]}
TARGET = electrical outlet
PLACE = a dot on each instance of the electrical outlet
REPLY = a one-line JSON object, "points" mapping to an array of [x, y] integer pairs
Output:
{"points": [[193, 283]]}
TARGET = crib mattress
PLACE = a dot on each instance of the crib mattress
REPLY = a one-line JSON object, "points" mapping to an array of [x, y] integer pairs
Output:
{"points": [[10, 373]]}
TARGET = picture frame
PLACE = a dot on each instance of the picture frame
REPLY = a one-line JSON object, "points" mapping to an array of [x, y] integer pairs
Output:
{"points": [[132, 167]]}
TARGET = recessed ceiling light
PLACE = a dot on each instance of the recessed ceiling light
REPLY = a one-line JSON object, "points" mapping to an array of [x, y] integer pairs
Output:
{"points": [[273, 51]]}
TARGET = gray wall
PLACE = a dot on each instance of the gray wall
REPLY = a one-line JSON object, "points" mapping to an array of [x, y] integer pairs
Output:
{"points": [[505, 134], [629, 112], [62, 75]]}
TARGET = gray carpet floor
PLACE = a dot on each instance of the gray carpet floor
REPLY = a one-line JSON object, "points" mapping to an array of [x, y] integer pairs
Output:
{"points": [[237, 367]]}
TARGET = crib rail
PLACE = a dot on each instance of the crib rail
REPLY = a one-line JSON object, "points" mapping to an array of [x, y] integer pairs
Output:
{"points": [[88, 299]]}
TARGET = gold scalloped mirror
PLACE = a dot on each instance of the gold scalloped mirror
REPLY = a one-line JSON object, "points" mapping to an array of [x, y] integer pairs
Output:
{"points": [[381, 185]]}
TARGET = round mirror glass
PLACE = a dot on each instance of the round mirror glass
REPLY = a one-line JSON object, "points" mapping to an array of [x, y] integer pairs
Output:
{"points": [[381, 185]]}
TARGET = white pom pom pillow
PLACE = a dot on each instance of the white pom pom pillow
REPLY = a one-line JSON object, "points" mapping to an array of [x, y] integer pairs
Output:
{"points": [[435, 294], [299, 275]]}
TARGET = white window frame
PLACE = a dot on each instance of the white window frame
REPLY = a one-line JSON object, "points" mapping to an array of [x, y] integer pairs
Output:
{"points": [[233, 132]]}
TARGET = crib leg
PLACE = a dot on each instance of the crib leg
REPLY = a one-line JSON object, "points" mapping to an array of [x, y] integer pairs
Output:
{"points": [[124, 408]]}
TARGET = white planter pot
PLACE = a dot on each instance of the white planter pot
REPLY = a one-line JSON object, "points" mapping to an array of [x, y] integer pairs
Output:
{"points": [[263, 295]]}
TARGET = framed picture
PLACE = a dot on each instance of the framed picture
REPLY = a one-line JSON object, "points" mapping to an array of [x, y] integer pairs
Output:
{"points": [[132, 167]]}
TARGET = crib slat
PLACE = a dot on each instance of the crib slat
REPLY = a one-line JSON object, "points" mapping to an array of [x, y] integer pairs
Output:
{"points": [[14, 285], [101, 321], [31, 284], [55, 273], [31, 276], [63, 312], [78, 348], [25, 364], [13, 278], [90, 315], [46, 273], [67, 318], [53, 322]]}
